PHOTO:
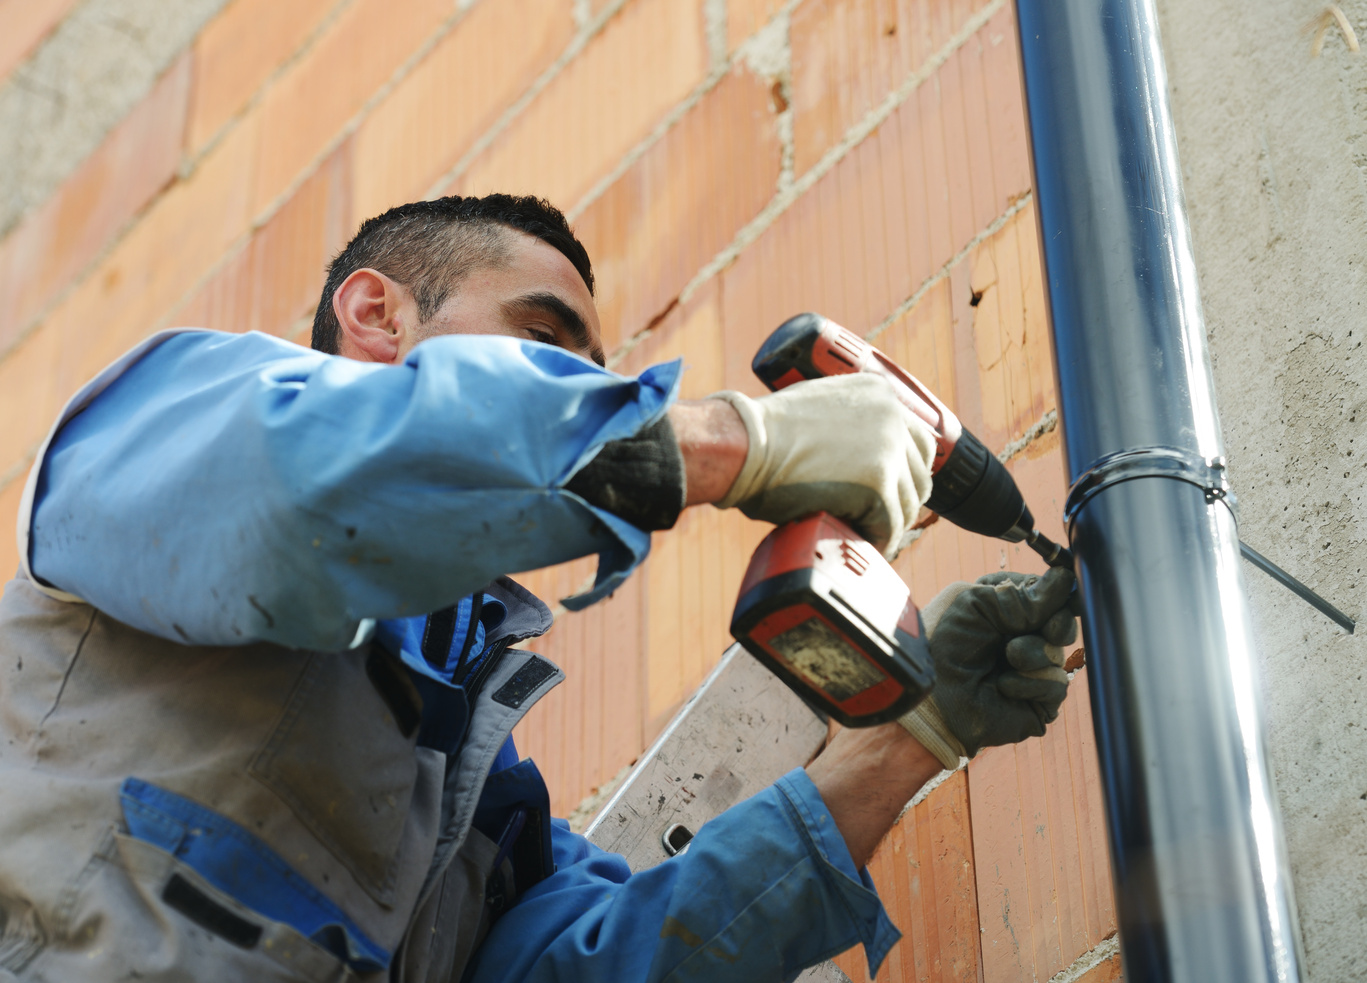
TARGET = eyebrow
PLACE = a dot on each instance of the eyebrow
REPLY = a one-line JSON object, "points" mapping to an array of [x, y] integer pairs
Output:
{"points": [[567, 317]]}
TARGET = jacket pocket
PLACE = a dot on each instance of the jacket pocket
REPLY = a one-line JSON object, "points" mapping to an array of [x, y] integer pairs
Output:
{"points": [[342, 763], [139, 912], [220, 881]]}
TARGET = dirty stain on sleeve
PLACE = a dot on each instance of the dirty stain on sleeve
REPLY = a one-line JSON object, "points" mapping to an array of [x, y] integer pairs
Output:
{"points": [[675, 929]]}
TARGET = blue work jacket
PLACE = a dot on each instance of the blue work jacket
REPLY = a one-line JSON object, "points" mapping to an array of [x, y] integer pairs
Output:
{"points": [[226, 489]]}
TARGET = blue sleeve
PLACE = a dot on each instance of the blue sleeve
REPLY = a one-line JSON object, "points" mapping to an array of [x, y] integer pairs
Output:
{"points": [[764, 890], [235, 488]]}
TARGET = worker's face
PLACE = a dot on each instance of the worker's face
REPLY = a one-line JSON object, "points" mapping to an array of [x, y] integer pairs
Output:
{"points": [[537, 294]]}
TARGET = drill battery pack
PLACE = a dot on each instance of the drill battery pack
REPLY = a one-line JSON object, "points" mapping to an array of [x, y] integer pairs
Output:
{"points": [[830, 617]]}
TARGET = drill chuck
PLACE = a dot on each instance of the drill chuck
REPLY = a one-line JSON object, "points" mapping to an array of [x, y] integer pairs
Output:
{"points": [[973, 490]]}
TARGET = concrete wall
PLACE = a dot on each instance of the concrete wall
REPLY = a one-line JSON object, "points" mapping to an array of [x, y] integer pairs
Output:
{"points": [[1273, 144]]}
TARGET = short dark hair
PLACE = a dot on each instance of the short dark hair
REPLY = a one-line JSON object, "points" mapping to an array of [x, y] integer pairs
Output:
{"points": [[430, 246]]}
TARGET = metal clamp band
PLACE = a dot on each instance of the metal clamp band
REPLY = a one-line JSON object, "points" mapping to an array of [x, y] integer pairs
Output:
{"points": [[1208, 474]]}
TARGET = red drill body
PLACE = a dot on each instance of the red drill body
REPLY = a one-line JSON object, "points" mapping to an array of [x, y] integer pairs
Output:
{"points": [[819, 605]]}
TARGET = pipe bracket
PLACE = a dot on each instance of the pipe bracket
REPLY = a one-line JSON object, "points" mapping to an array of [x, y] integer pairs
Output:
{"points": [[1206, 473]]}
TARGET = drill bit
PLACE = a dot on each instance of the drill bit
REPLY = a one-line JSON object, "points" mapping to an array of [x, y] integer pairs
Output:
{"points": [[1054, 554]]}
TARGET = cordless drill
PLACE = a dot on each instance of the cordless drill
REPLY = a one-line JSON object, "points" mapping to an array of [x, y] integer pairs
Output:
{"points": [[819, 605]]}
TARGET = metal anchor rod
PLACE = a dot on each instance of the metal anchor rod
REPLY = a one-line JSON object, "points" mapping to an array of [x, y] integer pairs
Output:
{"points": [[1297, 588]]}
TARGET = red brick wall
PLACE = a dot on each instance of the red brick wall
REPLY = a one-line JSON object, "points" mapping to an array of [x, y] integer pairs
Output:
{"points": [[867, 160]]}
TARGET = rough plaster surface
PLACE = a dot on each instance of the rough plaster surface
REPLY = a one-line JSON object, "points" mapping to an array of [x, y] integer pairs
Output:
{"points": [[57, 106], [1273, 145]]}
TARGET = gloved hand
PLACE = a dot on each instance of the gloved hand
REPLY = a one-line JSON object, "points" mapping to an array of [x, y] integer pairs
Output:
{"points": [[843, 445], [997, 649]]}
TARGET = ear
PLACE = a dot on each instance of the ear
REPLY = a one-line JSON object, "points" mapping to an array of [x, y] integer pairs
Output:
{"points": [[375, 314]]}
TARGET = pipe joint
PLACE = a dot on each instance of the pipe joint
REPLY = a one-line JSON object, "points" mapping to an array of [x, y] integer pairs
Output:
{"points": [[1206, 473]]}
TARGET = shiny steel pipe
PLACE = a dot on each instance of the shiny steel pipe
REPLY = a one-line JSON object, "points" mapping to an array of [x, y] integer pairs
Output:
{"points": [[1202, 887]]}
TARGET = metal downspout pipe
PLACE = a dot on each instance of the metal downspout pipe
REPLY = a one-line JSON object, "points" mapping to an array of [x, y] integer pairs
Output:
{"points": [[1202, 887]]}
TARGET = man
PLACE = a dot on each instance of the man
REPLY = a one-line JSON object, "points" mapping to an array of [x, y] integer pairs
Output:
{"points": [[259, 679]]}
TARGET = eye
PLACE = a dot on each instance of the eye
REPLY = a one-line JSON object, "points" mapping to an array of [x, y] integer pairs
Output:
{"points": [[543, 335]]}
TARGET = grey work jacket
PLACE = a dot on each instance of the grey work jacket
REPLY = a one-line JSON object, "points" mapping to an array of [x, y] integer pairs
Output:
{"points": [[123, 757]]}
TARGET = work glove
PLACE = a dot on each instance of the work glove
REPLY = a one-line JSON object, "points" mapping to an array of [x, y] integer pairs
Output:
{"points": [[844, 445], [997, 646]]}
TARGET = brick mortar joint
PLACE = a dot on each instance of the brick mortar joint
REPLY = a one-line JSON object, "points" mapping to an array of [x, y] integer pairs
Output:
{"points": [[852, 137], [582, 14], [1046, 424], [461, 11], [272, 208], [190, 162], [720, 65], [931, 785], [714, 14], [405, 68], [1088, 961], [642, 147], [769, 54], [577, 44], [188, 167], [789, 189], [45, 73], [991, 229], [783, 199], [788, 194]]}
